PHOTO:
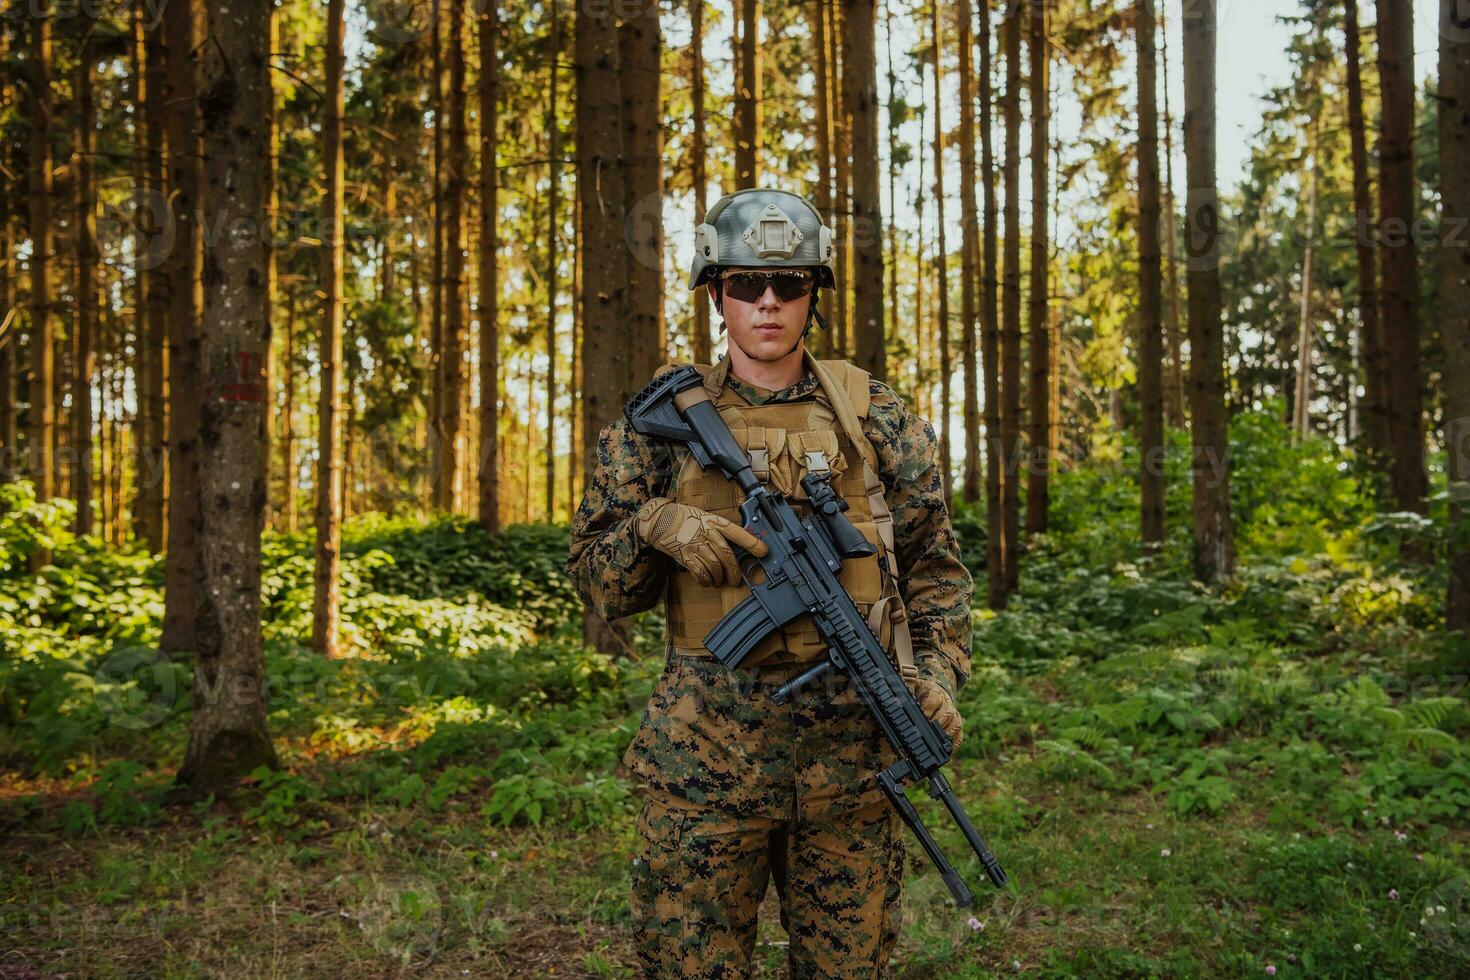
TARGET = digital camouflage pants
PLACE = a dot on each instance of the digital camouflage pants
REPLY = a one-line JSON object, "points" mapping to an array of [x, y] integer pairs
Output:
{"points": [[744, 792]]}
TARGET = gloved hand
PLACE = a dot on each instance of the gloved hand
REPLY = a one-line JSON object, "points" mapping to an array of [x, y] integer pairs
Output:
{"points": [[938, 706], [696, 539]]}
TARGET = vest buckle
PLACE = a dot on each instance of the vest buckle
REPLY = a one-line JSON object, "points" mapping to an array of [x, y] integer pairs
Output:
{"points": [[816, 462]]}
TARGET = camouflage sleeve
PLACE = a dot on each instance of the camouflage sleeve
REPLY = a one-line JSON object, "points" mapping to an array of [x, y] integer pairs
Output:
{"points": [[935, 584], [615, 572]]}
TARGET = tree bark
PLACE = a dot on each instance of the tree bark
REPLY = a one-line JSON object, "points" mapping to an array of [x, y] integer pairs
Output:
{"points": [[1396, 209], [842, 133], [1174, 390], [42, 368], [151, 222], [1454, 171], [1038, 497], [1214, 533], [9, 318], [969, 251], [971, 479], [700, 346], [1150, 304], [1370, 334], [995, 473], [861, 56], [640, 43], [227, 729], [1010, 336], [489, 481], [183, 259], [747, 98], [288, 419], [451, 351], [87, 257], [326, 611], [1301, 402], [602, 296]]}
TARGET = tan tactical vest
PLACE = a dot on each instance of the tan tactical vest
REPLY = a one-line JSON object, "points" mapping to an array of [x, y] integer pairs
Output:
{"points": [[786, 441]]}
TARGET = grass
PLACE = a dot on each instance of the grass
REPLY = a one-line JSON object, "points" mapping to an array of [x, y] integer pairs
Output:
{"points": [[1180, 781]]}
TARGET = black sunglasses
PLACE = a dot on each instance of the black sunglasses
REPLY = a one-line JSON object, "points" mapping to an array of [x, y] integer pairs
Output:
{"points": [[748, 287]]}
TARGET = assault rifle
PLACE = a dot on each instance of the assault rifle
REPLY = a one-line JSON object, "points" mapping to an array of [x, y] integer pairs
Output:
{"points": [[801, 566]]}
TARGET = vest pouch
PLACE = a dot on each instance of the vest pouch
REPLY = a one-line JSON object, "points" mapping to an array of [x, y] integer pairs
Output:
{"points": [[806, 452]]}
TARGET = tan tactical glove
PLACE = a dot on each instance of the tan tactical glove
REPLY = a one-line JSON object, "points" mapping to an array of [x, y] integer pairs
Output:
{"points": [[938, 706], [696, 539]]}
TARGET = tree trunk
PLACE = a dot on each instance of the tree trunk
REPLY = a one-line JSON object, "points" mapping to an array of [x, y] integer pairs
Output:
{"points": [[747, 98], [451, 356], [489, 481], [995, 473], [326, 612], [1214, 534], [1174, 390], [1150, 305], [842, 132], [699, 344], [969, 250], [1301, 411], [9, 319], [916, 324], [440, 465], [183, 259], [1038, 497], [1010, 337], [604, 322], [227, 734], [151, 222], [553, 226], [272, 208], [1370, 334], [288, 419], [1454, 172], [861, 57], [87, 256], [1396, 209], [971, 479], [41, 376], [640, 42]]}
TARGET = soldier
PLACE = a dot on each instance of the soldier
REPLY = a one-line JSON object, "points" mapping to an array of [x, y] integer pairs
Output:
{"points": [[742, 790]]}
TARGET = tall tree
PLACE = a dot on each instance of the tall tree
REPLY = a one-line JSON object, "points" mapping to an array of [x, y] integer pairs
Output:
{"points": [[860, 67], [995, 472], [1454, 175], [227, 734], [451, 350], [84, 334], [1150, 305], [9, 322], [602, 295], [41, 374], [1214, 532], [969, 249], [698, 154], [489, 481], [1396, 215], [326, 611], [941, 279], [1301, 402], [150, 222], [639, 42], [1038, 497], [183, 260], [747, 98], [1370, 334], [1010, 328], [1174, 389]]}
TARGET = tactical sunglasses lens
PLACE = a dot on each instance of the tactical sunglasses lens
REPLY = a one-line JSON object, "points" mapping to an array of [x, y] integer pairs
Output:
{"points": [[747, 287]]}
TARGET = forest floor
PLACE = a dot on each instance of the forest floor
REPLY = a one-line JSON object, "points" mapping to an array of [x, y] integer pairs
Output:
{"points": [[1266, 778]]}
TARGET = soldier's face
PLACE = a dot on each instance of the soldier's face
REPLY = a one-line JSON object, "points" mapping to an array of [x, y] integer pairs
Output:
{"points": [[768, 328]]}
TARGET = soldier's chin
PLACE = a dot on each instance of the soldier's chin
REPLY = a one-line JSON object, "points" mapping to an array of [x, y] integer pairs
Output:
{"points": [[770, 347]]}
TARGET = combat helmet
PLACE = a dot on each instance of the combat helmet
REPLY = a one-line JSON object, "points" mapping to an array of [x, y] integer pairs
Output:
{"points": [[764, 227]]}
